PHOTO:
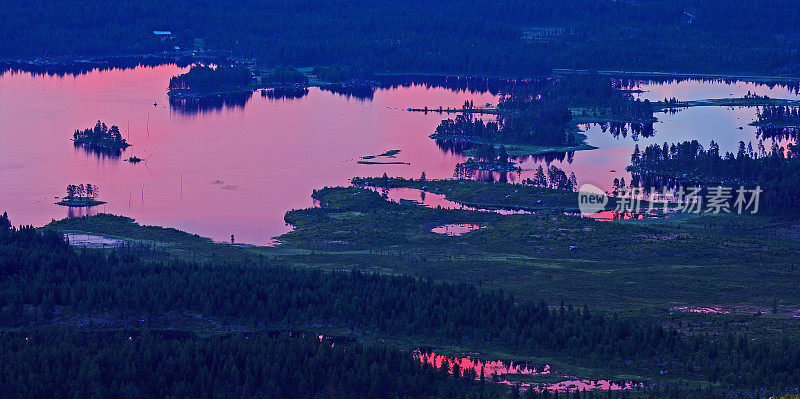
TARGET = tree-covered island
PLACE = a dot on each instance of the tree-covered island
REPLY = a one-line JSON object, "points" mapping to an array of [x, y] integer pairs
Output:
{"points": [[81, 195], [101, 138]]}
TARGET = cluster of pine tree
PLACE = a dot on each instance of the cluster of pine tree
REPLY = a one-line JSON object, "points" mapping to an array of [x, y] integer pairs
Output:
{"points": [[776, 172], [555, 178]]}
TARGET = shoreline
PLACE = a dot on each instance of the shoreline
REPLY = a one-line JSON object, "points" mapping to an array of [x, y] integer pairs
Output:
{"points": [[98, 61]]}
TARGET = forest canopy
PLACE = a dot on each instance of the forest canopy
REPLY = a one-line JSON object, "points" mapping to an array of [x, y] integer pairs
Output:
{"points": [[513, 37]]}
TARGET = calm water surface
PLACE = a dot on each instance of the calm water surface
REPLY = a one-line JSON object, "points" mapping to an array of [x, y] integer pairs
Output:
{"points": [[237, 170]]}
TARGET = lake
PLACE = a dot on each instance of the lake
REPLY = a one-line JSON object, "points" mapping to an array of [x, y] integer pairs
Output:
{"points": [[237, 167]]}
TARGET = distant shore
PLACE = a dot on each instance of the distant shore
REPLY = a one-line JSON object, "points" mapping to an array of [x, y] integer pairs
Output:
{"points": [[66, 64]]}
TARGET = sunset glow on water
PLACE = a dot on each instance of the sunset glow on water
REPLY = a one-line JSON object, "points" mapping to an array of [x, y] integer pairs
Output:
{"points": [[237, 170]]}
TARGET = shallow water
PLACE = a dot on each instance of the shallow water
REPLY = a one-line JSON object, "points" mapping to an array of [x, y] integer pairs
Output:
{"points": [[237, 166]]}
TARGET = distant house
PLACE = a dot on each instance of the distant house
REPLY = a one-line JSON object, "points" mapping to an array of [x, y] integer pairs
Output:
{"points": [[162, 33]]}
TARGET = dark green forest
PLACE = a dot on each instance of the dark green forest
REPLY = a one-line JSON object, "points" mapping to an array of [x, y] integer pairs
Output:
{"points": [[43, 277], [135, 364], [511, 37]]}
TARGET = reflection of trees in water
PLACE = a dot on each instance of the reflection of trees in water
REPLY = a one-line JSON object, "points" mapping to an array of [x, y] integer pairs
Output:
{"points": [[73, 212], [489, 176], [100, 152], [361, 92], [648, 181], [792, 87], [456, 83], [778, 134], [204, 104], [284, 93], [462, 171], [636, 130], [548, 158], [779, 123], [457, 147], [102, 64]]}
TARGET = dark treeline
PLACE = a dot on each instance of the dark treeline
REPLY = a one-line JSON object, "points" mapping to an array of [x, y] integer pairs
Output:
{"points": [[543, 123], [593, 94], [136, 364], [284, 75], [500, 37], [467, 126], [65, 364], [777, 172], [202, 79], [553, 177], [340, 73], [40, 274]]}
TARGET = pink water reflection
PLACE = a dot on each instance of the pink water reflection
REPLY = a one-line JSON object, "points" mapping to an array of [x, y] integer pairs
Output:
{"points": [[687, 90], [233, 171], [238, 170], [500, 371]]}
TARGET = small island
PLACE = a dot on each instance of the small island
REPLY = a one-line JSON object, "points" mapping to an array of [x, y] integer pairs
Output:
{"points": [[81, 196], [101, 138], [544, 117], [203, 80]]}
